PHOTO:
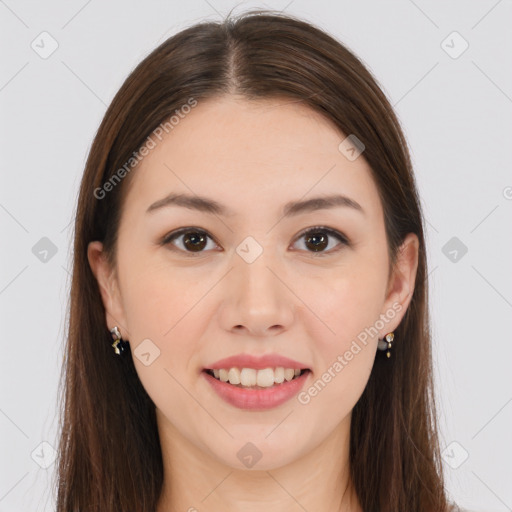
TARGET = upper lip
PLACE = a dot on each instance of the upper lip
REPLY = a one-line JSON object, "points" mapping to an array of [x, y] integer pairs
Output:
{"points": [[256, 362]]}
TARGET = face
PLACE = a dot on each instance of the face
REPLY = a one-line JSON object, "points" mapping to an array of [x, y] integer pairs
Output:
{"points": [[253, 278]]}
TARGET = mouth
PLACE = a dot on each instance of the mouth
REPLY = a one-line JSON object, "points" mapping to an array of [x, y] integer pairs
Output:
{"points": [[256, 389]]}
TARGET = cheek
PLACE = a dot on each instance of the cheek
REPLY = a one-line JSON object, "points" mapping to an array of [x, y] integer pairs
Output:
{"points": [[159, 298], [344, 346], [347, 302], [344, 301], [163, 306], [166, 306]]}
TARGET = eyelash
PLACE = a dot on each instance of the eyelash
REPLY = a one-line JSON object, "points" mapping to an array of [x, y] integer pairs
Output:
{"points": [[330, 232]]}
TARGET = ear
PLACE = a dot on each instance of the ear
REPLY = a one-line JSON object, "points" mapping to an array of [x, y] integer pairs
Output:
{"points": [[109, 287], [401, 282]]}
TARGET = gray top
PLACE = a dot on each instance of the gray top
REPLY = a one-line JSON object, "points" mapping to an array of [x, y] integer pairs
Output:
{"points": [[456, 508]]}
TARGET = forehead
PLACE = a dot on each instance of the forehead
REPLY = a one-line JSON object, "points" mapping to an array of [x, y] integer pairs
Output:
{"points": [[248, 154]]}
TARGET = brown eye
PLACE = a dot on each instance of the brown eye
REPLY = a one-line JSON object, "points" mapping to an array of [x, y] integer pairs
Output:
{"points": [[318, 239], [194, 241], [189, 240]]}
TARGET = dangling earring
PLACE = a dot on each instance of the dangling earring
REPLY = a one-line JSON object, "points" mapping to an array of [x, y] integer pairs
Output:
{"points": [[119, 345], [385, 344]]}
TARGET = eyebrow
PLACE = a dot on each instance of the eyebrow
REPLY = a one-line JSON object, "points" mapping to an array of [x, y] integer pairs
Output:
{"points": [[290, 209]]}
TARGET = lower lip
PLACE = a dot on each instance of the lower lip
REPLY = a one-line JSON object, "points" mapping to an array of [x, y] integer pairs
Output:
{"points": [[257, 398]]}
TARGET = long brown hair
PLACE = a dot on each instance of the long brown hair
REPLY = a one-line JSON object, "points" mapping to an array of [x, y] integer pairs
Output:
{"points": [[110, 456]]}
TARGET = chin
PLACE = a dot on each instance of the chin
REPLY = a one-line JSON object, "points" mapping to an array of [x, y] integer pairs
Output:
{"points": [[255, 452]]}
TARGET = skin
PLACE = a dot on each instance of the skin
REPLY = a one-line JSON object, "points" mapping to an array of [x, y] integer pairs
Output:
{"points": [[253, 157]]}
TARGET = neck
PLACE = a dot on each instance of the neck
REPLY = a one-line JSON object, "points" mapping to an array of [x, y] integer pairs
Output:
{"points": [[194, 481]]}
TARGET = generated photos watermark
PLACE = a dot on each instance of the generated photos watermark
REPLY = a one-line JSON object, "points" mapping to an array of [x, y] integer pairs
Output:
{"points": [[342, 360], [151, 142]]}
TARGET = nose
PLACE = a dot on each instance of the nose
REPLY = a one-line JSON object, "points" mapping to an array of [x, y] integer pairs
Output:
{"points": [[257, 300]]}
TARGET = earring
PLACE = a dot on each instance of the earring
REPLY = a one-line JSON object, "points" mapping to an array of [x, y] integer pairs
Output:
{"points": [[119, 345], [385, 344]]}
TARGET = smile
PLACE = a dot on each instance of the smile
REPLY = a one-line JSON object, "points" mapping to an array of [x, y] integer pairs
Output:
{"points": [[250, 388], [253, 378]]}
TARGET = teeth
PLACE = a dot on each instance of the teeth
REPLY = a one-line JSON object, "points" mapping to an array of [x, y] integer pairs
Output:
{"points": [[249, 377], [279, 375], [234, 376], [265, 378], [289, 374]]}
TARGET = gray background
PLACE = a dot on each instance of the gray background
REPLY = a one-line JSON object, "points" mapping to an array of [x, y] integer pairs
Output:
{"points": [[456, 112]]}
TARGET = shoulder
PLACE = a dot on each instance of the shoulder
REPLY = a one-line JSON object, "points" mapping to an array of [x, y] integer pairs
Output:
{"points": [[455, 508]]}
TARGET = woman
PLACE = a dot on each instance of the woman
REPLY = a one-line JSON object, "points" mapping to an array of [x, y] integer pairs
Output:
{"points": [[249, 320]]}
